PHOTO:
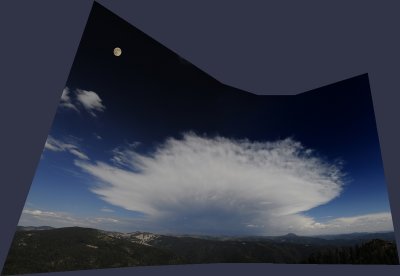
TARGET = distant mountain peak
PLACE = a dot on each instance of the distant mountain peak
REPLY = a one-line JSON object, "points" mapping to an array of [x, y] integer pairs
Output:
{"points": [[290, 235]]}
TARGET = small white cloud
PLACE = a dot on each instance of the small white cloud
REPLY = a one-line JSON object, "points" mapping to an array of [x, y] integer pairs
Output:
{"points": [[100, 220], [53, 144], [90, 101], [66, 100], [98, 137]]}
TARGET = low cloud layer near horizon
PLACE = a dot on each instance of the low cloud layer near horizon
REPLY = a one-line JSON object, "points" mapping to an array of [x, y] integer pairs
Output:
{"points": [[377, 222]]}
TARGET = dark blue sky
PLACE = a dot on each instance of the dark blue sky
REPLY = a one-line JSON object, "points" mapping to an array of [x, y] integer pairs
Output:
{"points": [[150, 94]]}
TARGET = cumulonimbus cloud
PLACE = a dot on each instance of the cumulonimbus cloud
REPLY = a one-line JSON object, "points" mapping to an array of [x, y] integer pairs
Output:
{"points": [[209, 185]]}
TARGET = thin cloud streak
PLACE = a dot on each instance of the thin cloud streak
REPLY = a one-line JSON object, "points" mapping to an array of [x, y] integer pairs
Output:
{"points": [[53, 144]]}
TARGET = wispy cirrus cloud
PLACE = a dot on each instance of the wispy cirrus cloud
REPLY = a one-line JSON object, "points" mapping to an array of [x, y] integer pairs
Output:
{"points": [[220, 185], [107, 210], [122, 155], [53, 144]]}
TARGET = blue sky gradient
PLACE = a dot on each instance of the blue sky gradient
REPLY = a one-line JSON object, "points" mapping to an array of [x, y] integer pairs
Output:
{"points": [[114, 106]]}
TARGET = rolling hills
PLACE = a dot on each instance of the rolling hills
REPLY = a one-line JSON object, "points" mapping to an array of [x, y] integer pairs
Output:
{"points": [[46, 249]]}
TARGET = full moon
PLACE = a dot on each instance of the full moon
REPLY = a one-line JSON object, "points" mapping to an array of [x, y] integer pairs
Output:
{"points": [[117, 52]]}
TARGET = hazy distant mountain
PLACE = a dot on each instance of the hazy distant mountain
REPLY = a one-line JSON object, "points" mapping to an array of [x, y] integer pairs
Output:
{"points": [[46, 249], [361, 236], [345, 239], [31, 228], [340, 239]]}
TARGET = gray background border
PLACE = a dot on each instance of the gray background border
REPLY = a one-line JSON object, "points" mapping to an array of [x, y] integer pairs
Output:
{"points": [[275, 47]]}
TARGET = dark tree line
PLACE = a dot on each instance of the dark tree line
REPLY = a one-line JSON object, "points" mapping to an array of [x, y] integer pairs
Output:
{"points": [[373, 252]]}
